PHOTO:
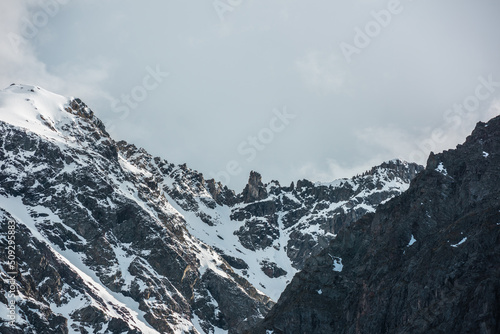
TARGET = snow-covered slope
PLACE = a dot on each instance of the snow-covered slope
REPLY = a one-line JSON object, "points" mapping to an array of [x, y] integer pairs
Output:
{"points": [[48, 115], [268, 238], [86, 292], [114, 252]]}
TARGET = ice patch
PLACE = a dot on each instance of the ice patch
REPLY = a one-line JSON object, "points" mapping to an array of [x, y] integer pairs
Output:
{"points": [[320, 292]]}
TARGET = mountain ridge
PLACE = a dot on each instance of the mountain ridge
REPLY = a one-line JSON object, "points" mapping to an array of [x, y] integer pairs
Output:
{"points": [[87, 204], [186, 254], [427, 261]]}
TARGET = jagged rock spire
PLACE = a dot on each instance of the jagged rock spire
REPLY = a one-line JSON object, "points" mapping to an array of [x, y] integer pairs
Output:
{"points": [[255, 189]]}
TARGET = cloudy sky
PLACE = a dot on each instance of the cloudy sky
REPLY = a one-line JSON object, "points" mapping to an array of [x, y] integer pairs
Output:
{"points": [[293, 89]]}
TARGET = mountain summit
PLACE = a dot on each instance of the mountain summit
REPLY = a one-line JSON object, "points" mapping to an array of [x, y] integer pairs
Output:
{"points": [[47, 114]]}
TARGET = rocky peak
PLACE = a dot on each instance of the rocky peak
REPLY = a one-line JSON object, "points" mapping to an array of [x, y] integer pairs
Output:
{"points": [[395, 169], [426, 261], [255, 189], [481, 144], [37, 109], [67, 121], [221, 194], [78, 107]]}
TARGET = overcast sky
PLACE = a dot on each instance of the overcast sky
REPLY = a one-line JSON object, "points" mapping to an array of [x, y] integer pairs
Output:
{"points": [[293, 89]]}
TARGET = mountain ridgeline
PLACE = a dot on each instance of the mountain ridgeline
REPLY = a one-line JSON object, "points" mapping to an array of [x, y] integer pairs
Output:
{"points": [[109, 239], [427, 261]]}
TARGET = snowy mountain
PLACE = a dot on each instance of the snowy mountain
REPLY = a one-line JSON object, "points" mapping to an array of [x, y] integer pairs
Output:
{"points": [[426, 262], [268, 231], [109, 239]]}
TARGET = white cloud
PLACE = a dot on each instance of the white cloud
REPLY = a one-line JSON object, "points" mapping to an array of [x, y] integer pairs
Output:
{"points": [[333, 170], [416, 147], [19, 63], [493, 110], [23, 24], [390, 140], [228, 75], [325, 73]]}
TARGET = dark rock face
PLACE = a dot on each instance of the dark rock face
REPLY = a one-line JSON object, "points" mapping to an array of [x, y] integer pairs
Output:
{"points": [[320, 208], [425, 262], [221, 194], [235, 302], [254, 190], [272, 270]]}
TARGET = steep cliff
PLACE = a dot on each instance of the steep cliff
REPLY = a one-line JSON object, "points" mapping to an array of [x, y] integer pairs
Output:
{"points": [[427, 261]]}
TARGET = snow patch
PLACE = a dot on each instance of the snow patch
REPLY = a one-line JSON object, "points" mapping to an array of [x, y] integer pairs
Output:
{"points": [[209, 260], [412, 241], [461, 242], [440, 168], [366, 207], [485, 154], [337, 264], [126, 165], [334, 184]]}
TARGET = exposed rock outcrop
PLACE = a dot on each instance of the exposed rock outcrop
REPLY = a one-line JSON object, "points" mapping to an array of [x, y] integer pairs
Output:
{"points": [[425, 262]]}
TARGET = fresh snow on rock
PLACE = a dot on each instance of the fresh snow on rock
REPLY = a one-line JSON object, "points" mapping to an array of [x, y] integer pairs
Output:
{"points": [[337, 264], [459, 243], [412, 241], [440, 168], [116, 306]]}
